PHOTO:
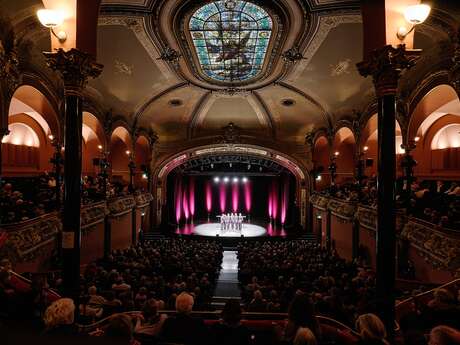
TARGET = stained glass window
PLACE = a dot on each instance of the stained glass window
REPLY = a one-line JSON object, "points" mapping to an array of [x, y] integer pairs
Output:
{"points": [[231, 39]]}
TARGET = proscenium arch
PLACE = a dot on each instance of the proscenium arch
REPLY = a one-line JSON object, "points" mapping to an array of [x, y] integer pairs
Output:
{"points": [[163, 168]]}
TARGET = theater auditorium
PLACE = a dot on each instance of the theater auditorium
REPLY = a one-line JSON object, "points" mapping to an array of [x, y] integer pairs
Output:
{"points": [[230, 172]]}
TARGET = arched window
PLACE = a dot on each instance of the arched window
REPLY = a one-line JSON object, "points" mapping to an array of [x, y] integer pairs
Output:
{"points": [[231, 39]]}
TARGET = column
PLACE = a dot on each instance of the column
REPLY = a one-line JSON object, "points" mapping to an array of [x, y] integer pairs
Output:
{"points": [[57, 161], [328, 229], [76, 68], [385, 66], [407, 165], [3, 132]]}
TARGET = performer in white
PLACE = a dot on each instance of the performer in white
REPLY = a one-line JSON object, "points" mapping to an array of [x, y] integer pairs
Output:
{"points": [[240, 222]]}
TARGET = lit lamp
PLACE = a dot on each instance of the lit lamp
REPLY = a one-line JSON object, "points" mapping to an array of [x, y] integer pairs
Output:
{"points": [[415, 14], [52, 19]]}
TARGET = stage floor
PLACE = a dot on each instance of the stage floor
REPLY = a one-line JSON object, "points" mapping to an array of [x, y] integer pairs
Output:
{"points": [[213, 229]]}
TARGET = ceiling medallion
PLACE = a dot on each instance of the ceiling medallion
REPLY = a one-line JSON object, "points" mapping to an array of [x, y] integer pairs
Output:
{"points": [[288, 102], [175, 102]]}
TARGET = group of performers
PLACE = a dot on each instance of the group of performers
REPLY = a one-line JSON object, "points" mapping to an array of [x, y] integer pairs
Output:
{"points": [[231, 221]]}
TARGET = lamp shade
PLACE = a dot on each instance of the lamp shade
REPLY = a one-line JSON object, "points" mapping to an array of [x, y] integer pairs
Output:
{"points": [[417, 14], [50, 18]]}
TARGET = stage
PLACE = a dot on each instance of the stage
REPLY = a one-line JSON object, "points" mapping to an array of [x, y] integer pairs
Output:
{"points": [[214, 229]]}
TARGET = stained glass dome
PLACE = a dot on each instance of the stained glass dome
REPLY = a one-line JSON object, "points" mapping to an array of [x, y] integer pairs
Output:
{"points": [[231, 39]]}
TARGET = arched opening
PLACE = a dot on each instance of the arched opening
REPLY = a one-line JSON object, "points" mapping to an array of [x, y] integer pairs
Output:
{"points": [[369, 145], [32, 122], [431, 128], [321, 155], [344, 152], [120, 152], [93, 144], [143, 157]]}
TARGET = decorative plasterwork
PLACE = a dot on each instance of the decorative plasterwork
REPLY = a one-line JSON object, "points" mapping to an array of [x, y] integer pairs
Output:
{"points": [[325, 24], [138, 27]]}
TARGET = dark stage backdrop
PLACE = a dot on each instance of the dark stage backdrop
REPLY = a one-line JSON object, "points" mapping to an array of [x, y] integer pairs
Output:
{"points": [[261, 187]]}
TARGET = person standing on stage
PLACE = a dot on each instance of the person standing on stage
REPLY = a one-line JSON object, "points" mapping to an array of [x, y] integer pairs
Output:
{"points": [[240, 221]]}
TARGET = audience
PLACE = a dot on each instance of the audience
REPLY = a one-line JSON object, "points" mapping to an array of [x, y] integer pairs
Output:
{"points": [[230, 331], [183, 328], [371, 329]]}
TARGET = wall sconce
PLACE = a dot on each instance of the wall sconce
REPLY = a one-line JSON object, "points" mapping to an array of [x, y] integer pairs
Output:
{"points": [[99, 147], [128, 152], [336, 153], [415, 14], [365, 148], [51, 19], [417, 139]]}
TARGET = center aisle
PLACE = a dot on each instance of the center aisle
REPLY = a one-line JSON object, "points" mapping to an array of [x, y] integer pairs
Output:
{"points": [[227, 283]]}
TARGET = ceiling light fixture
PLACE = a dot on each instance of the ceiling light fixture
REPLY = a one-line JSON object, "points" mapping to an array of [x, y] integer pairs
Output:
{"points": [[415, 14], [216, 179], [245, 180], [235, 180], [52, 19], [226, 179]]}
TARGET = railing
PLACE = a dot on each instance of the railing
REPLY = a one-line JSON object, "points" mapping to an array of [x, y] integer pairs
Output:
{"points": [[25, 241], [265, 320], [405, 306]]}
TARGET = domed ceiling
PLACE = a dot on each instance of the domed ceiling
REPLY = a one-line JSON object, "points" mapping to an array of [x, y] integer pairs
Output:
{"points": [[187, 68], [277, 69]]}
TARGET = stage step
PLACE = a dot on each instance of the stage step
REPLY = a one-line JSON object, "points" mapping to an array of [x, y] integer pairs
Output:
{"points": [[153, 236]]}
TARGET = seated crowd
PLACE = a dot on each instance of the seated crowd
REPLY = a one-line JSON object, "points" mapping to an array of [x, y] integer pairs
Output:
{"points": [[297, 277], [272, 273], [437, 202], [22, 199]]}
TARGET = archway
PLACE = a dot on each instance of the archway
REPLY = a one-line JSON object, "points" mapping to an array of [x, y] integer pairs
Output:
{"points": [[344, 149], [143, 158], [164, 168], [120, 152], [321, 155]]}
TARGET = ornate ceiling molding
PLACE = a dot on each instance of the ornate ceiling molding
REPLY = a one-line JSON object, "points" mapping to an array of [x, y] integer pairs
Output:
{"points": [[263, 113], [197, 116], [324, 24], [138, 26]]}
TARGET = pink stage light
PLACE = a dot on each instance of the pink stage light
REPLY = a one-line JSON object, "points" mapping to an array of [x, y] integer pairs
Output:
{"points": [[285, 199], [191, 197], [275, 200], [247, 197], [270, 203], [208, 196], [185, 206], [178, 193], [223, 197], [235, 196]]}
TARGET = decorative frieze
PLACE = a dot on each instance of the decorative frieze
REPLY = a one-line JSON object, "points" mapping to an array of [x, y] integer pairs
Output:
{"points": [[320, 202], [343, 209], [143, 200], [120, 206], [367, 217], [93, 214], [30, 239], [439, 249]]}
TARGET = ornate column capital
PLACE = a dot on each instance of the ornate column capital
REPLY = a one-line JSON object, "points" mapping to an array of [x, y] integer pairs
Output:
{"points": [[385, 65], [309, 140], [75, 66], [153, 138]]}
